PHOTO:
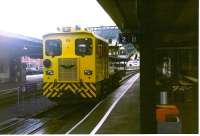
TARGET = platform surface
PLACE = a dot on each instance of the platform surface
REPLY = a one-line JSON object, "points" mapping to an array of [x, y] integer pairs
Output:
{"points": [[118, 113], [125, 117]]}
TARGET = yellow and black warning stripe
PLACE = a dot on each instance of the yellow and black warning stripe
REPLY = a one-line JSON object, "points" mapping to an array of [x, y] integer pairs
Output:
{"points": [[86, 90]]}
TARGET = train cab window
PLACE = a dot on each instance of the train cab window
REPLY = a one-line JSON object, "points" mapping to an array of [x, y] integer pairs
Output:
{"points": [[83, 46], [53, 47]]}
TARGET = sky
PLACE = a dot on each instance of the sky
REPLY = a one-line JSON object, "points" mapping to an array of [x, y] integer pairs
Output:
{"points": [[38, 17]]}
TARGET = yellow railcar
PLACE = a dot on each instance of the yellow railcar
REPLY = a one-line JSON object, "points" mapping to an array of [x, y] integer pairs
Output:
{"points": [[75, 64]]}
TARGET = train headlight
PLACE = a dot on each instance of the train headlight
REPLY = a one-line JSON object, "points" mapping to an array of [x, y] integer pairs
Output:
{"points": [[88, 72], [47, 63], [49, 72]]}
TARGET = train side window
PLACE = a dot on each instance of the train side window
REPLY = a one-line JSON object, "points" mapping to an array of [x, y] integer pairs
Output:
{"points": [[53, 47], [83, 46]]}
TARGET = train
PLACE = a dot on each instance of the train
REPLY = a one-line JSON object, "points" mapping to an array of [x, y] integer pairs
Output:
{"points": [[77, 65]]}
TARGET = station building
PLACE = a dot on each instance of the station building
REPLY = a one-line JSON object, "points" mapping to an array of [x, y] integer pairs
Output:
{"points": [[12, 48]]}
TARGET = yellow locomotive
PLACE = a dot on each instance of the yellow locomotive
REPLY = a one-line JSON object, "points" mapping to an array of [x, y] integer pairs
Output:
{"points": [[76, 64]]}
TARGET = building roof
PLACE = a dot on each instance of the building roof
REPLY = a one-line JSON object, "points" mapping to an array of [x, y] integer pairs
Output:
{"points": [[19, 36], [20, 45]]}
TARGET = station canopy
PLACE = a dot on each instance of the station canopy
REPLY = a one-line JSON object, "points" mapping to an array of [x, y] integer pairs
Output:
{"points": [[173, 22], [20, 45]]}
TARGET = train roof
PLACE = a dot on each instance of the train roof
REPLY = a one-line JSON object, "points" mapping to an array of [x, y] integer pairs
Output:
{"points": [[76, 32]]}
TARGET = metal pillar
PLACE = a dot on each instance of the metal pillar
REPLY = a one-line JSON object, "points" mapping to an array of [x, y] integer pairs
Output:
{"points": [[147, 83]]}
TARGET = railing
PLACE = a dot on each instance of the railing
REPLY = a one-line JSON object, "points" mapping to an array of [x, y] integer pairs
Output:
{"points": [[20, 93]]}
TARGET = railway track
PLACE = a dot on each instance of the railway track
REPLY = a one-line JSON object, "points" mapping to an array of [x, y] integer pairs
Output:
{"points": [[40, 122], [57, 120]]}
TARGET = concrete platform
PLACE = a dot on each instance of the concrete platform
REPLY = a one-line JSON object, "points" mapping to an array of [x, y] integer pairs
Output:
{"points": [[125, 117], [118, 113]]}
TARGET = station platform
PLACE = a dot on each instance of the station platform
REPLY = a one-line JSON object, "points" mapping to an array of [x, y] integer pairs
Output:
{"points": [[118, 113], [125, 117]]}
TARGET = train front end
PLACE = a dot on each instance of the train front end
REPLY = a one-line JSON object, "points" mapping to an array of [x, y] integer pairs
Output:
{"points": [[69, 69]]}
